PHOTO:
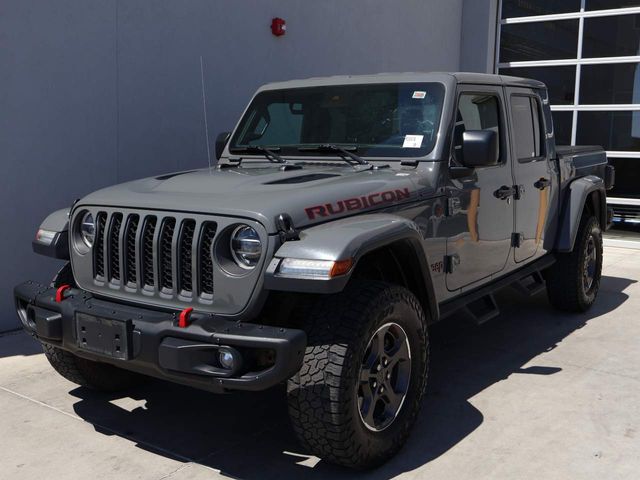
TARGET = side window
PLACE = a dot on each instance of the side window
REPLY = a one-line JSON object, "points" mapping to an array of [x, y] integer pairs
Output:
{"points": [[527, 127], [476, 111]]}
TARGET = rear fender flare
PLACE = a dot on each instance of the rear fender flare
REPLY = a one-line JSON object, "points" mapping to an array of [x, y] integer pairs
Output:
{"points": [[578, 193]]}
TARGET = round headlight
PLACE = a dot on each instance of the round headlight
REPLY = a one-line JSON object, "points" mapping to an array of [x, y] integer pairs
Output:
{"points": [[88, 229], [246, 246]]}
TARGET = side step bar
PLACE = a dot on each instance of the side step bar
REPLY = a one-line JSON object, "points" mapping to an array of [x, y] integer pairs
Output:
{"points": [[530, 285], [483, 309], [481, 305]]}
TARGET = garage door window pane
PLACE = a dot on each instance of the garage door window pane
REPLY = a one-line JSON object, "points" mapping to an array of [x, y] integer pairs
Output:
{"points": [[608, 84], [608, 4], [527, 8], [539, 41], [627, 177], [612, 130], [562, 124], [611, 36], [559, 80]]}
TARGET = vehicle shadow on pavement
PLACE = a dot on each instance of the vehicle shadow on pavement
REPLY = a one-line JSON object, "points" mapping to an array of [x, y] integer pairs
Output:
{"points": [[248, 435]]}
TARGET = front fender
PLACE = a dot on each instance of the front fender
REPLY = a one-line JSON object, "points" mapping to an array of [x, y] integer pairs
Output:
{"points": [[343, 239], [574, 203]]}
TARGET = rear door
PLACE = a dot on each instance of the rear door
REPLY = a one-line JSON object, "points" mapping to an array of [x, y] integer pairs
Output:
{"points": [[532, 171]]}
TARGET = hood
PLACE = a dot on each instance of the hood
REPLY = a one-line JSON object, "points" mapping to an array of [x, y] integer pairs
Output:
{"points": [[309, 195]]}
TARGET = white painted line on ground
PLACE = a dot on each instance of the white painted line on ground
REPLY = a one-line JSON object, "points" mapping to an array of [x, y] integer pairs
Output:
{"points": [[613, 242]]}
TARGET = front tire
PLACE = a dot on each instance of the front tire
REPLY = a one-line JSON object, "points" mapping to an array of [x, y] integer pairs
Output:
{"points": [[573, 281], [360, 388], [87, 373]]}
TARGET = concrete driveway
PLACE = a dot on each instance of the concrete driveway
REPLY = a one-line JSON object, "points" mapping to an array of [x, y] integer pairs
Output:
{"points": [[531, 394]]}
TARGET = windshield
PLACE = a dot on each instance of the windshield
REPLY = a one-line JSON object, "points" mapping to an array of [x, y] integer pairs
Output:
{"points": [[379, 120]]}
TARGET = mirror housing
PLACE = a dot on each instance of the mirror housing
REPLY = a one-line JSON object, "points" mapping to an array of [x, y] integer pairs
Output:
{"points": [[480, 148], [221, 142]]}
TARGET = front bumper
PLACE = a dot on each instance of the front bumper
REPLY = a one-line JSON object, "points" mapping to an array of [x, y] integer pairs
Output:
{"points": [[151, 342]]}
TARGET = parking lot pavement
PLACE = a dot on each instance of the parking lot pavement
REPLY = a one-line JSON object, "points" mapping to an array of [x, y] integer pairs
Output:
{"points": [[530, 394]]}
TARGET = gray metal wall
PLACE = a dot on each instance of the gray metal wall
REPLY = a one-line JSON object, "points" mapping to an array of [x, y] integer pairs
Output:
{"points": [[94, 92]]}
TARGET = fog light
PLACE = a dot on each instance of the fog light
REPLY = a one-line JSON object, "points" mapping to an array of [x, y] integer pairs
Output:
{"points": [[226, 358]]}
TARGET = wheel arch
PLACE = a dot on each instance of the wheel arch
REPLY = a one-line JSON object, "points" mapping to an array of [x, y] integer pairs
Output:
{"points": [[385, 245], [401, 262]]}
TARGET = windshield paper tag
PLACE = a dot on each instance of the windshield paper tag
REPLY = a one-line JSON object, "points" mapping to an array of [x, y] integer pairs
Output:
{"points": [[412, 141], [419, 94]]}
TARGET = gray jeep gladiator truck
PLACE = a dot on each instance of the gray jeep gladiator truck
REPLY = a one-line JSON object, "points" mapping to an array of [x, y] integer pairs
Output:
{"points": [[344, 217]]}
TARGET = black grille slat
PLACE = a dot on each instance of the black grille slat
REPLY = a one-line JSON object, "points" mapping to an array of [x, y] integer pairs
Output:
{"points": [[98, 259], [114, 246], [185, 246], [165, 253], [147, 251], [208, 232], [131, 270]]}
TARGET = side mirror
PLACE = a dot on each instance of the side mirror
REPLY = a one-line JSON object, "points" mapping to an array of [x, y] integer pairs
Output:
{"points": [[479, 148], [221, 142]]}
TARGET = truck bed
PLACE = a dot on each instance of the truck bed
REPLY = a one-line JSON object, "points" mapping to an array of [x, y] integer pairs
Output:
{"points": [[582, 160]]}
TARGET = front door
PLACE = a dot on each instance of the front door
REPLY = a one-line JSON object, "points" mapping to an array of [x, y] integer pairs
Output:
{"points": [[480, 220], [532, 171]]}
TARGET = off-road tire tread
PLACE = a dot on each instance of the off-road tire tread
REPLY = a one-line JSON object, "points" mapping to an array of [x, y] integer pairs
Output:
{"points": [[564, 278], [322, 418]]}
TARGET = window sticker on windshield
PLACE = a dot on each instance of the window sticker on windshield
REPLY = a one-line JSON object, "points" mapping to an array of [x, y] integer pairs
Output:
{"points": [[419, 94], [412, 141]]}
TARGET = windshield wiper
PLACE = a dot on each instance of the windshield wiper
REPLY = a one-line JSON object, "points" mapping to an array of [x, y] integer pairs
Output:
{"points": [[344, 152], [268, 152]]}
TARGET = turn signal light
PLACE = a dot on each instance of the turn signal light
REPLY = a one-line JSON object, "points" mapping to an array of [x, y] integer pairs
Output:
{"points": [[314, 269]]}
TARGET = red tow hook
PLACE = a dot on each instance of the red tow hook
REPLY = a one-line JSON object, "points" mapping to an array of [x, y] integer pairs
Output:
{"points": [[185, 317], [60, 292]]}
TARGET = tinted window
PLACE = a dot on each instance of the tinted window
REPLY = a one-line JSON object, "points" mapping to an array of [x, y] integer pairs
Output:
{"points": [[386, 120], [610, 83], [559, 80], [607, 4], [526, 8], [612, 130], [611, 36], [539, 41], [527, 127], [476, 112], [627, 177], [562, 125]]}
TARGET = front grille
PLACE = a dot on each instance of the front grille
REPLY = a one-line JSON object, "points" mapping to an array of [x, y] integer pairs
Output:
{"points": [[131, 269], [148, 232], [98, 263], [185, 248], [155, 253], [166, 253], [205, 258], [114, 246]]}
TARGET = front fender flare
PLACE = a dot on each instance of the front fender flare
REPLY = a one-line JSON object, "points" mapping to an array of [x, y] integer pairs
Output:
{"points": [[348, 238], [574, 203], [57, 222]]}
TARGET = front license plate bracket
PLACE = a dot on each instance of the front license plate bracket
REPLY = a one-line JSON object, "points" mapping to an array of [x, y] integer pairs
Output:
{"points": [[104, 336]]}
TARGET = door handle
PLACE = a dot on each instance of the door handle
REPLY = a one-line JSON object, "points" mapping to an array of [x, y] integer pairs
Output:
{"points": [[542, 183], [504, 192]]}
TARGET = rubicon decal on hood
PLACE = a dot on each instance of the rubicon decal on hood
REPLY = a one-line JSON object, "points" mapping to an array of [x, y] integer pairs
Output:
{"points": [[357, 203]]}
